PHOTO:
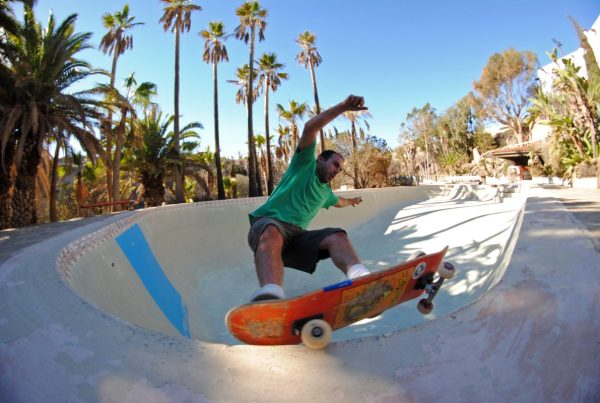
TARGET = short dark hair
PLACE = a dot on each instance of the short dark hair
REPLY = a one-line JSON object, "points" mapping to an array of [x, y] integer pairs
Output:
{"points": [[328, 153]]}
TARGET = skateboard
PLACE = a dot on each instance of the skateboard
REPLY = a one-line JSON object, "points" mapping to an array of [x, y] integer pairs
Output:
{"points": [[311, 318]]}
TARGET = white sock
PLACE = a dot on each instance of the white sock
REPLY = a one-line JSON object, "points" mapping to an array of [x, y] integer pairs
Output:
{"points": [[358, 270], [272, 289]]}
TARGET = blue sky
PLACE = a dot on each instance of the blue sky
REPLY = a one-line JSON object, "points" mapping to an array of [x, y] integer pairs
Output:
{"points": [[397, 54]]}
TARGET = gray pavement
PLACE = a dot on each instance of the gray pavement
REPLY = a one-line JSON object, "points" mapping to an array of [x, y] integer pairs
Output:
{"points": [[12, 240], [583, 204]]}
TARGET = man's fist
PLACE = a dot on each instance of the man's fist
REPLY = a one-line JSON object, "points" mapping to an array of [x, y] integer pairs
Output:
{"points": [[355, 103]]}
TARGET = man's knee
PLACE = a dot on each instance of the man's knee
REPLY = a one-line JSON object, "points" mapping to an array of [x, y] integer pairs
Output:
{"points": [[334, 239], [270, 238]]}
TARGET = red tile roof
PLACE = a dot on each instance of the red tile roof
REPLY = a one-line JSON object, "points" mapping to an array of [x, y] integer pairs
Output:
{"points": [[521, 148]]}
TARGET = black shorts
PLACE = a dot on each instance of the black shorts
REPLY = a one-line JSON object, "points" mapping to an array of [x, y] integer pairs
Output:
{"points": [[301, 248]]}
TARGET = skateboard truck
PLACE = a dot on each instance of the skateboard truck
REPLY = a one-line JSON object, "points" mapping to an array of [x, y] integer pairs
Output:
{"points": [[446, 272], [299, 324]]}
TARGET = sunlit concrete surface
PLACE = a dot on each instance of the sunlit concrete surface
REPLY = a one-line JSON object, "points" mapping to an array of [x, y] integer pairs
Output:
{"points": [[80, 321]]}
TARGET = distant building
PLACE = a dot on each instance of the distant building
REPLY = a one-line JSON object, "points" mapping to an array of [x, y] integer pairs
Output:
{"points": [[546, 74]]}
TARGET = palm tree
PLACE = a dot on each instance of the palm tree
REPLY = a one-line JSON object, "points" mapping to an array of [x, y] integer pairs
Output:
{"points": [[136, 95], [177, 18], [9, 25], [8, 22], [44, 66], [116, 41], [260, 141], [140, 95], [155, 158], [242, 75], [296, 111], [269, 78], [61, 139], [215, 52], [282, 151], [150, 158], [124, 103], [252, 18], [356, 118], [310, 58], [84, 173]]}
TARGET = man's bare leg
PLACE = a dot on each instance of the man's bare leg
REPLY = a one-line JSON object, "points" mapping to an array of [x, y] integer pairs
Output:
{"points": [[343, 255], [269, 263]]}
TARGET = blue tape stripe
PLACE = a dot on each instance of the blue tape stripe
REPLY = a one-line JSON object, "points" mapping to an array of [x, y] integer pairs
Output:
{"points": [[138, 252], [337, 286]]}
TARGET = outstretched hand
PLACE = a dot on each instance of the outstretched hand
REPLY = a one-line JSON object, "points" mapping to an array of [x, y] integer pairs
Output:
{"points": [[354, 103], [355, 201], [343, 202]]}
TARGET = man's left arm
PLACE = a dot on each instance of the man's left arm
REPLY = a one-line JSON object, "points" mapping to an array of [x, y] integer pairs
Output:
{"points": [[343, 202]]}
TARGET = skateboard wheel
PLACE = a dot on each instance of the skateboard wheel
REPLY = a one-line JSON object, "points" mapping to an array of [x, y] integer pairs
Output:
{"points": [[415, 255], [425, 307], [316, 334], [447, 270]]}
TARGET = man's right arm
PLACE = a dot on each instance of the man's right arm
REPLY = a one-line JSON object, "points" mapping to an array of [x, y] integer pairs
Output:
{"points": [[314, 125]]}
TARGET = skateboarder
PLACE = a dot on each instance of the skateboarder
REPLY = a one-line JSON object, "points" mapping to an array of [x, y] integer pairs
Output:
{"points": [[278, 234]]}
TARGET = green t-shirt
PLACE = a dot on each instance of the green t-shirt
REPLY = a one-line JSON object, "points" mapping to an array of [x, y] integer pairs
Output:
{"points": [[300, 194]]}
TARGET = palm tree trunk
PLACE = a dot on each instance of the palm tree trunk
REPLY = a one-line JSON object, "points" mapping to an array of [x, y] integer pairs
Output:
{"points": [[220, 186], [109, 128], [5, 206], [426, 159], [317, 105], [263, 163], [7, 175], [24, 197], [252, 184], [294, 138], [54, 181], [154, 191], [107, 160], [355, 155], [179, 198], [269, 161], [113, 71], [116, 171], [79, 193], [259, 186]]}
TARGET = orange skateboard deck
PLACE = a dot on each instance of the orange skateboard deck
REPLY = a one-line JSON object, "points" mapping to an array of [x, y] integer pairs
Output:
{"points": [[310, 318]]}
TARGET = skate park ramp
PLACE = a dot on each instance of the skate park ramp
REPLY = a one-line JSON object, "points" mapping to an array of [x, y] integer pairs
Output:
{"points": [[177, 270], [97, 330]]}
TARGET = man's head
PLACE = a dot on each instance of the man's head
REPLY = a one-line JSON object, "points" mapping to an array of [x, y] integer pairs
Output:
{"points": [[329, 164]]}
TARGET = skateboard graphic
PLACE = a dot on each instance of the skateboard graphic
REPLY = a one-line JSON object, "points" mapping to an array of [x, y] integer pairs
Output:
{"points": [[311, 318]]}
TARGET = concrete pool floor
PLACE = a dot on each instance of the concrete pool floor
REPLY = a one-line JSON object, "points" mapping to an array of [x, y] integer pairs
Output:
{"points": [[534, 336]]}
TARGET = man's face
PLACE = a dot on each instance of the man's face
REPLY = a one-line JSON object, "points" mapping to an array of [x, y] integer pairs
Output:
{"points": [[327, 170]]}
